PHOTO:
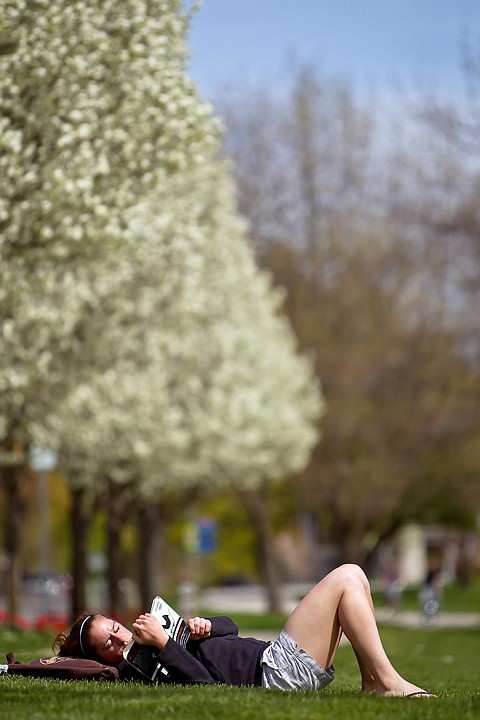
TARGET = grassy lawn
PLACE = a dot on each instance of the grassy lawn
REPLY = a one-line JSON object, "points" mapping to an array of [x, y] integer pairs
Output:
{"points": [[444, 661], [456, 598]]}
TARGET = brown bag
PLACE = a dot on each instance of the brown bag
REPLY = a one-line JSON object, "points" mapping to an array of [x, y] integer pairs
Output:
{"points": [[62, 668]]}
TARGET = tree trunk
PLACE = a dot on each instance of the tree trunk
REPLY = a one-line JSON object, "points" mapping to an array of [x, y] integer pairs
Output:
{"points": [[148, 522], [13, 534], [79, 524], [256, 504], [115, 519]]}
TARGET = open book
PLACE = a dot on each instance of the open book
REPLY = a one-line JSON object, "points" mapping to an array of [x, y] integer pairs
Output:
{"points": [[144, 658]]}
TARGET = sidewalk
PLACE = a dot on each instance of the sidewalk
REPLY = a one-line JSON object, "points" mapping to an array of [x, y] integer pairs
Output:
{"points": [[416, 619]]}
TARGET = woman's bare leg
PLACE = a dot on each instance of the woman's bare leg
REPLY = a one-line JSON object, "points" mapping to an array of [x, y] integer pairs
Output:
{"points": [[342, 602]]}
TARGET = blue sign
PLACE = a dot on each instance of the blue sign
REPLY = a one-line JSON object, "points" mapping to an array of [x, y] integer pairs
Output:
{"points": [[206, 536]]}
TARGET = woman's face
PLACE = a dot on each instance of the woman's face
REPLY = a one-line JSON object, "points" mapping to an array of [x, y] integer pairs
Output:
{"points": [[109, 639]]}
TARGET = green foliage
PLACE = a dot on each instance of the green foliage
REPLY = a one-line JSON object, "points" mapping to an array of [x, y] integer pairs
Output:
{"points": [[235, 553]]}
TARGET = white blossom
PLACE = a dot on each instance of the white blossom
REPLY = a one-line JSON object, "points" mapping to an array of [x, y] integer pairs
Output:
{"points": [[138, 335]]}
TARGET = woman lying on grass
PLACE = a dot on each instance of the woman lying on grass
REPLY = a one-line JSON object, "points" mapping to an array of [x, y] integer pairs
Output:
{"points": [[300, 659]]}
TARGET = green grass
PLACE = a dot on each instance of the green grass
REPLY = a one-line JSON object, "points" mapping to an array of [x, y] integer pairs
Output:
{"points": [[444, 661], [456, 598], [252, 621], [26, 644]]}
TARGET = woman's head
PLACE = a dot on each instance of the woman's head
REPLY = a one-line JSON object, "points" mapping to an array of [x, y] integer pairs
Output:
{"points": [[95, 637]]}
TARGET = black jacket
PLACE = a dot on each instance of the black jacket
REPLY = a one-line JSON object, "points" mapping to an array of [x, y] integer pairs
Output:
{"points": [[223, 657]]}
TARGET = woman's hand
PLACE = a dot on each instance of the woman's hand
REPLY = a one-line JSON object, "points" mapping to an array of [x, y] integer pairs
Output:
{"points": [[148, 630], [200, 628]]}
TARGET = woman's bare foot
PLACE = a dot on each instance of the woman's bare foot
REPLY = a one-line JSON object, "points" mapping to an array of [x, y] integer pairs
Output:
{"points": [[405, 689], [394, 685]]}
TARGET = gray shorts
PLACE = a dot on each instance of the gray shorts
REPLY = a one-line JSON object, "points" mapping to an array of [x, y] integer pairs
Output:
{"points": [[287, 667]]}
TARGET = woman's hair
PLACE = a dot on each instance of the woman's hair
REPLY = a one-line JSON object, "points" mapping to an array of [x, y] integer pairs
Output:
{"points": [[78, 641]]}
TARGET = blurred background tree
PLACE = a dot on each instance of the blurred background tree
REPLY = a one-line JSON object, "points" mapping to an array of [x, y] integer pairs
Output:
{"points": [[91, 112], [345, 202], [141, 340]]}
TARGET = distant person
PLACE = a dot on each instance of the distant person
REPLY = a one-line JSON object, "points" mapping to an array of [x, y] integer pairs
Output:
{"points": [[300, 659], [391, 586], [431, 592]]}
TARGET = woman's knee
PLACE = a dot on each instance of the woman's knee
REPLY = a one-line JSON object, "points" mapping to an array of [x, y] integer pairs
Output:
{"points": [[351, 574]]}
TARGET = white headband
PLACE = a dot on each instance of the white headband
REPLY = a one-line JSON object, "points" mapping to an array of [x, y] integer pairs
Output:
{"points": [[80, 636]]}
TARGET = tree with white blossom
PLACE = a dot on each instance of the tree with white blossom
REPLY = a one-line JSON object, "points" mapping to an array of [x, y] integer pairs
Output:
{"points": [[95, 110], [138, 334], [219, 396]]}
